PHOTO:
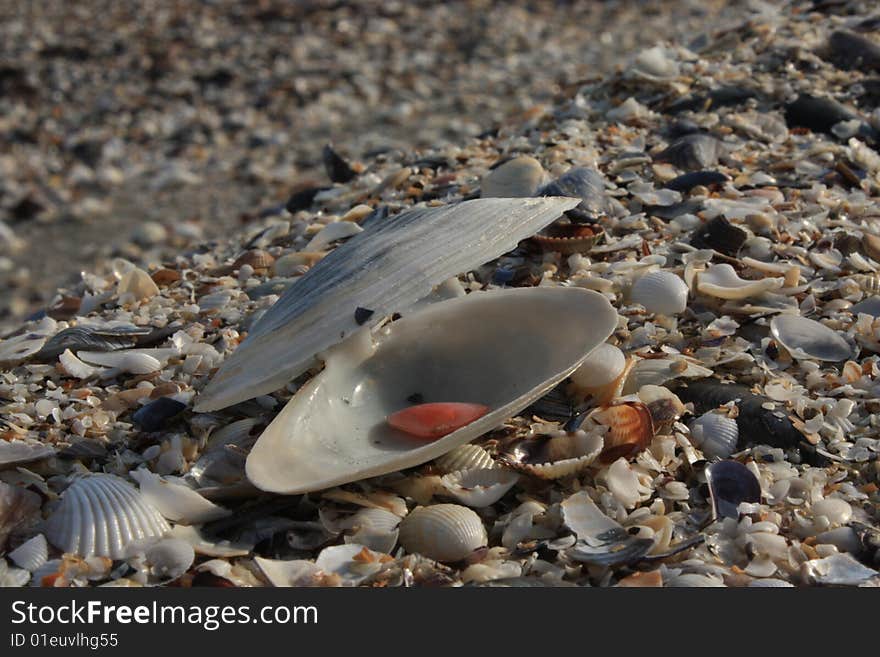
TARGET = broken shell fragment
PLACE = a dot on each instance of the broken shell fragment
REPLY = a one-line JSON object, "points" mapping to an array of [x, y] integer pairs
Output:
{"points": [[177, 502], [100, 515], [600, 540], [479, 487], [18, 452], [492, 346], [374, 269], [730, 484], [660, 292], [443, 532], [722, 282], [808, 339], [433, 421]]}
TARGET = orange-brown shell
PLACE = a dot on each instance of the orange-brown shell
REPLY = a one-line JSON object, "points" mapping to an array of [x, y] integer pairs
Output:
{"points": [[569, 238], [630, 429], [256, 258]]}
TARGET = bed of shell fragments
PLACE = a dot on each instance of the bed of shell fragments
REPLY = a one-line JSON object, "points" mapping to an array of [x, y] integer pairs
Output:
{"points": [[743, 167]]}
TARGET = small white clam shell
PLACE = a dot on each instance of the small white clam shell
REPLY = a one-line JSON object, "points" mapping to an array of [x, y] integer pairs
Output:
{"points": [[443, 532], [808, 339], [519, 177], [660, 292], [657, 371], [479, 487], [602, 366], [177, 502], [169, 558], [373, 528], [100, 515], [722, 281], [464, 457], [126, 361], [715, 434], [31, 554]]}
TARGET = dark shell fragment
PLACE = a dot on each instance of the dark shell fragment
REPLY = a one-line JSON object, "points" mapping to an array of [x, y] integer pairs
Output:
{"points": [[337, 168], [692, 152], [90, 339], [721, 235], [157, 413], [686, 182], [611, 548], [850, 50], [730, 484], [817, 114]]}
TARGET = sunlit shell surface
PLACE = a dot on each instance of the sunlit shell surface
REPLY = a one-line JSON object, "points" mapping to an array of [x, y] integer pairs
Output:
{"points": [[806, 338], [660, 292], [499, 347], [444, 532], [722, 281], [464, 457], [376, 271], [100, 515]]}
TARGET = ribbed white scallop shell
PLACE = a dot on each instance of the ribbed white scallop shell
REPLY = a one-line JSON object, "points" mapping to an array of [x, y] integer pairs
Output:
{"points": [[100, 515], [31, 554], [715, 434], [660, 292], [443, 532], [464, 457]]}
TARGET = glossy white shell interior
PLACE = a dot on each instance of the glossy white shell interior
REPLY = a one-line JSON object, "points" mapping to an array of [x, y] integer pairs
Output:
{"points": [[502, 348]]}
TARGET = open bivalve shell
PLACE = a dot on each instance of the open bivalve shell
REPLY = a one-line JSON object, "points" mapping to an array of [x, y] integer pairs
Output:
{"points": [[502, 349], [554, 456], [381, 271], [479, 487], [443, 532], [100, 515]]}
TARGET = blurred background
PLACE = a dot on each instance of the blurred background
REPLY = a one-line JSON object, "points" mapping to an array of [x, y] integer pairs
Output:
{"points": [[140, 129]]}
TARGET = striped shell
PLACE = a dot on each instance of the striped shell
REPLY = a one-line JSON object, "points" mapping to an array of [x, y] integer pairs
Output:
{"points": [[660, 292], [100, 515], [31, 554], [443, 532], [385, 269], [569, 238], [479, 487], [715, 434], [630, 429], [464, 457]]}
